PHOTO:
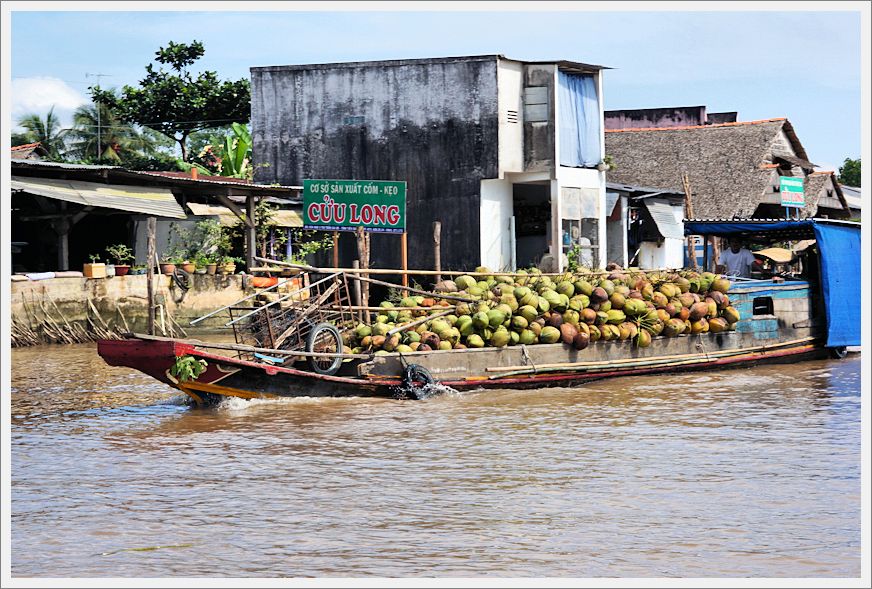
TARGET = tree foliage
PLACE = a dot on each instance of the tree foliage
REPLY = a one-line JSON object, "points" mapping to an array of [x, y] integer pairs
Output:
{"points": [[106, 137], [47, 131], [849, 172], [174, 101]]}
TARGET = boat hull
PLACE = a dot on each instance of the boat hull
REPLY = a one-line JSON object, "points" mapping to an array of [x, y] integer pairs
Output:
{"points": [[546, 366]]}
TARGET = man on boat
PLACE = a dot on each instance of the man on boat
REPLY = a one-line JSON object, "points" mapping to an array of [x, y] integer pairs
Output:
{"points": [[736, 261]]}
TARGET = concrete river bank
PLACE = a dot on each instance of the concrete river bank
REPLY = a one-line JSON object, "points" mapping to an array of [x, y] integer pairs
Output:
{"points": [[749, 472]]}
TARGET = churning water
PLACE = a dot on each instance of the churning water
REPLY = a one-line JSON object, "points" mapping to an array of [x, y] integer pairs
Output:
{"points": [[750, 472]]}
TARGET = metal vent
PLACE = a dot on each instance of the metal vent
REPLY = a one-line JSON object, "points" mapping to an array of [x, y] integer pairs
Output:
{"points": [[512, 116]]}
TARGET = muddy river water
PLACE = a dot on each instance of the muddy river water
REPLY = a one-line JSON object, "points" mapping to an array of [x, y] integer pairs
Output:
{"points": [[749, 472]]}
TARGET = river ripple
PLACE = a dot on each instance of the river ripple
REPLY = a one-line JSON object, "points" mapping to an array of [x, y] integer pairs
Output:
{"points": [[750, 472]]}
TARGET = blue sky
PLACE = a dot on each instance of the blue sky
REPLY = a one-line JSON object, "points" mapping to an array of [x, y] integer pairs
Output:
{"points": [[801, 65]]}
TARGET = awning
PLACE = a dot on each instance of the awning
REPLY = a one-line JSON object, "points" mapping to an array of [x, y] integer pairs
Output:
{"points": [[158, 202], [227, 218], [663, 214], [839, 247]]}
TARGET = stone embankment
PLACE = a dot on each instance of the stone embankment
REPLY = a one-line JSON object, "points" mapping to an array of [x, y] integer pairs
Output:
{"points": [[78, 309]]}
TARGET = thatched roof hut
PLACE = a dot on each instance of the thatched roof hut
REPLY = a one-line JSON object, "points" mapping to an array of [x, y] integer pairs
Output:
{"points": [[733, 168]]}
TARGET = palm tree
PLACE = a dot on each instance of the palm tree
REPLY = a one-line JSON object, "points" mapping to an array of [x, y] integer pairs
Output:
{"points": [[46, 131], [106, 136]]}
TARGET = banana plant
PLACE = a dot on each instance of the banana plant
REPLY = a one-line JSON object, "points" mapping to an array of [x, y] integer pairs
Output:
{"points": [[237, 152]]}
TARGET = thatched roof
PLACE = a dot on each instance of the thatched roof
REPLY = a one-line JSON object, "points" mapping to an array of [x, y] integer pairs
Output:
{"points": [[816, 184], [729, 165]]}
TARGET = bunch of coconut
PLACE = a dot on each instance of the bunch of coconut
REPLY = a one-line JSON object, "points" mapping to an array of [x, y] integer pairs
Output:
{"points": [[531, 308]]}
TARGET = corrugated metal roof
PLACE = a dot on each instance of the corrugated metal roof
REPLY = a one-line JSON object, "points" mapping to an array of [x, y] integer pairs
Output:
{"points": [[219, 180], [159, 202], [663, 214], [282, 217], [44, 164]]}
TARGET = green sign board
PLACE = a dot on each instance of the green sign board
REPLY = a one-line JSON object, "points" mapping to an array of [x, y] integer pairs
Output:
{"points": [[344, 205], [791, 192]]}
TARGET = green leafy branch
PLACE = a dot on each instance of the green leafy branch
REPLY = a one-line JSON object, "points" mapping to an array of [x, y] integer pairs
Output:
{"points": [[187, 368]]}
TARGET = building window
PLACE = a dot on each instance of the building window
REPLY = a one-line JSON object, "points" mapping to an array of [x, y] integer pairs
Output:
{"points": [[578, 120]]}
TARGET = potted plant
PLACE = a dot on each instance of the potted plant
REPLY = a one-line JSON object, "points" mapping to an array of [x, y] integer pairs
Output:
{"points": [[188, 266], [121, 254], [206, 263], [167, 265], [95, 269], [228, 264]]}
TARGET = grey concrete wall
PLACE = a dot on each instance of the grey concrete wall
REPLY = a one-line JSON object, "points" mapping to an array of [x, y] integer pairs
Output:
{"points": [[431, 123], [646, 118]]}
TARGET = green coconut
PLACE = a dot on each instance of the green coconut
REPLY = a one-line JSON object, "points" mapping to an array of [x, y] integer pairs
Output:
{"points": [[565, 287], [495, 317], [500, 339], [480, 320], [615, 317], [475, 341], [718, 324], [464, 282], [731, 314], [519, 323], [595, 333], [549, 335], [527, 337], [643, 339]]}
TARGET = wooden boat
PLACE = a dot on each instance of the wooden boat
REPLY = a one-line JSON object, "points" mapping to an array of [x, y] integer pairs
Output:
{"points": [[783, 320]]}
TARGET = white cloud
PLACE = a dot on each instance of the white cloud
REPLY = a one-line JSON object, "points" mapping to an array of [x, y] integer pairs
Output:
{"points": [[39, 94]]}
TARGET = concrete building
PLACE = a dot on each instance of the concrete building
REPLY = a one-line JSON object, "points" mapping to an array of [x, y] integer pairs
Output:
{"points": [[506, 154]]}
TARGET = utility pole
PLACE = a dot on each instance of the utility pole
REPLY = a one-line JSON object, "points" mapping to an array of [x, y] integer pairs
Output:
{"points": [[97, 106]]}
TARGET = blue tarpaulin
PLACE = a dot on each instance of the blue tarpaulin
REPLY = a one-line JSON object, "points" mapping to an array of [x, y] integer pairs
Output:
{"points": [[839, 247], [840, 282], [579, 120]]}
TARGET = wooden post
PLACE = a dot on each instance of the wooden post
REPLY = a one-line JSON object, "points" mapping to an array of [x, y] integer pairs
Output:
{"points": [[335, 249], [151, 227], [404, 255], [437, 249], [688, 214], [249, 232], [62, 228], [363, 255], [716, 252], [356, 292], [705, 254]]}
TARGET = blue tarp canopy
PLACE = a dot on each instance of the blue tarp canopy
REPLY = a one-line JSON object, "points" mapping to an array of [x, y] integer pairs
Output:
{"points": [[839, 247]]}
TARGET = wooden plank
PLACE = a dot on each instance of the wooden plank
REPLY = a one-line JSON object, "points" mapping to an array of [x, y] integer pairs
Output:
{"points": [[244, 348]]}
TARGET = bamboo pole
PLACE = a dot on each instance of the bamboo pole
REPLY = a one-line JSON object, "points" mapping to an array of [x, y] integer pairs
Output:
{"points": [[688, 214], [437, 249], [607, 363], [385, 271], [151, 227], [417, 322], [438, 295], [404, 259]]}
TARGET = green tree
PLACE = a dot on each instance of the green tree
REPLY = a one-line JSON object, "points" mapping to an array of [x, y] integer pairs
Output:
{"points": [[46, 131], [106, 136], [177, 103], [849, 173]]}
